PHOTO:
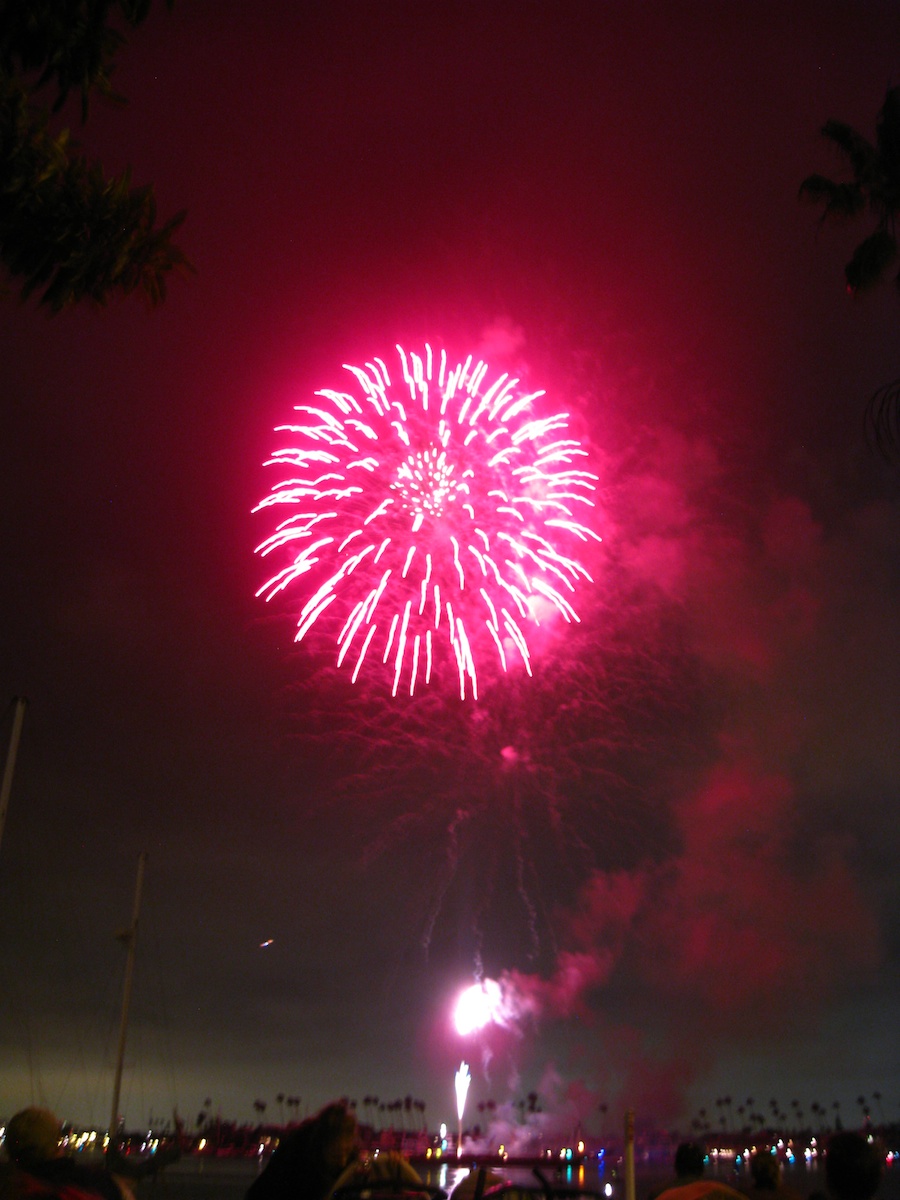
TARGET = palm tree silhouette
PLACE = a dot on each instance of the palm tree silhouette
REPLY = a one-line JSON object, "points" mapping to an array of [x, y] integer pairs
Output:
{"points": [[873, 189]]}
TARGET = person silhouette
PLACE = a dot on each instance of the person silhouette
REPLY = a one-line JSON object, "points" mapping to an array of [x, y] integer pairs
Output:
{"points": [[854, 1165], [689, 1164], [310, 1159], [40, 1168]]}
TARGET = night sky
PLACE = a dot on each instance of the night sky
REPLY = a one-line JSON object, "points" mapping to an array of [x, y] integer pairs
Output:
{"points": [[675, 846]]}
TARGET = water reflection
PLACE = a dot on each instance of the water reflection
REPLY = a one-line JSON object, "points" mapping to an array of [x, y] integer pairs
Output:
{"points": [[803, 1177], [592, 1175]]}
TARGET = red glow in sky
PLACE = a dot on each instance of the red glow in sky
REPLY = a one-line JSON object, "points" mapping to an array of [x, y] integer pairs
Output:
{"points": [[675, 846]]}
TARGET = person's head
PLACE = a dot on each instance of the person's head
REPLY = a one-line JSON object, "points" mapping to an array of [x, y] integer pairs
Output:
{"points": [[335, 1136], [766, 1171], [32, 1137], [853, 1166], [689, 1161]]}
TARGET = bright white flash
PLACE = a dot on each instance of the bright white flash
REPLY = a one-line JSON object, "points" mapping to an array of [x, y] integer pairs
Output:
{"points": [[478, 1006], [463, 1079]]}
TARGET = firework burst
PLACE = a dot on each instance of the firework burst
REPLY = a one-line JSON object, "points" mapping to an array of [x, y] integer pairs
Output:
{"points": [[426, 513]]}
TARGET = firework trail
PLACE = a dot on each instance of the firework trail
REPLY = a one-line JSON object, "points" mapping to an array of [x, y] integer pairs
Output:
{"points": [[427, 511], [508, 805], [462, 1079]]}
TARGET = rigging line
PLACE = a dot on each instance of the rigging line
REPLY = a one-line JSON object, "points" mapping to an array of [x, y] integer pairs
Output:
{"points": [[94, 1069], [129, 938], [95, 1044], [84, 1031], [151, 1062], [70, 973], [17, 704], [20, 1012], [157, 1036], [163, 1042], [21, 1009]]}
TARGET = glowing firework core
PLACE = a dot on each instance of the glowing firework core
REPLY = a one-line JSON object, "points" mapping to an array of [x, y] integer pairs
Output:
{"points": [[429, 512], [478, 1006], [425, 483]]}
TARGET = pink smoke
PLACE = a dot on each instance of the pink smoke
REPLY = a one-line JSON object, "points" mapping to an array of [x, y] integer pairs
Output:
{"points": [[752, 920]]}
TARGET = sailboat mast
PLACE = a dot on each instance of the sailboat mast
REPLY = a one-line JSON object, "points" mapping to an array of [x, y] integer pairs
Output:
{"points": [[10, 765], [129, 937]]}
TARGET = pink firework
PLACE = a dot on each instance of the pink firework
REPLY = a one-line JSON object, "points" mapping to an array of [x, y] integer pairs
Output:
{"points": [[425, 510]]}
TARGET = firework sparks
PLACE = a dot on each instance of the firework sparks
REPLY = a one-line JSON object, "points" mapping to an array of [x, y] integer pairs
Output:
{"points": [[427, 513], [461, 1080]]}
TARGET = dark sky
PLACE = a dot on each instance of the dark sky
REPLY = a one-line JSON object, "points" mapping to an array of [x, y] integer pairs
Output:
{"points": [[682, 870]]}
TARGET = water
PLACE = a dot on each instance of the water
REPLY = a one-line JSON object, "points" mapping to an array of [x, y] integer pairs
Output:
{"points": [[228, 1179], [201, 1179]]}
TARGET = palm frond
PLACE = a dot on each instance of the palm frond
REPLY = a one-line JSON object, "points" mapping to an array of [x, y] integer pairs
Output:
{"points": [[839, 199], [870, 260], [858, 151]]}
